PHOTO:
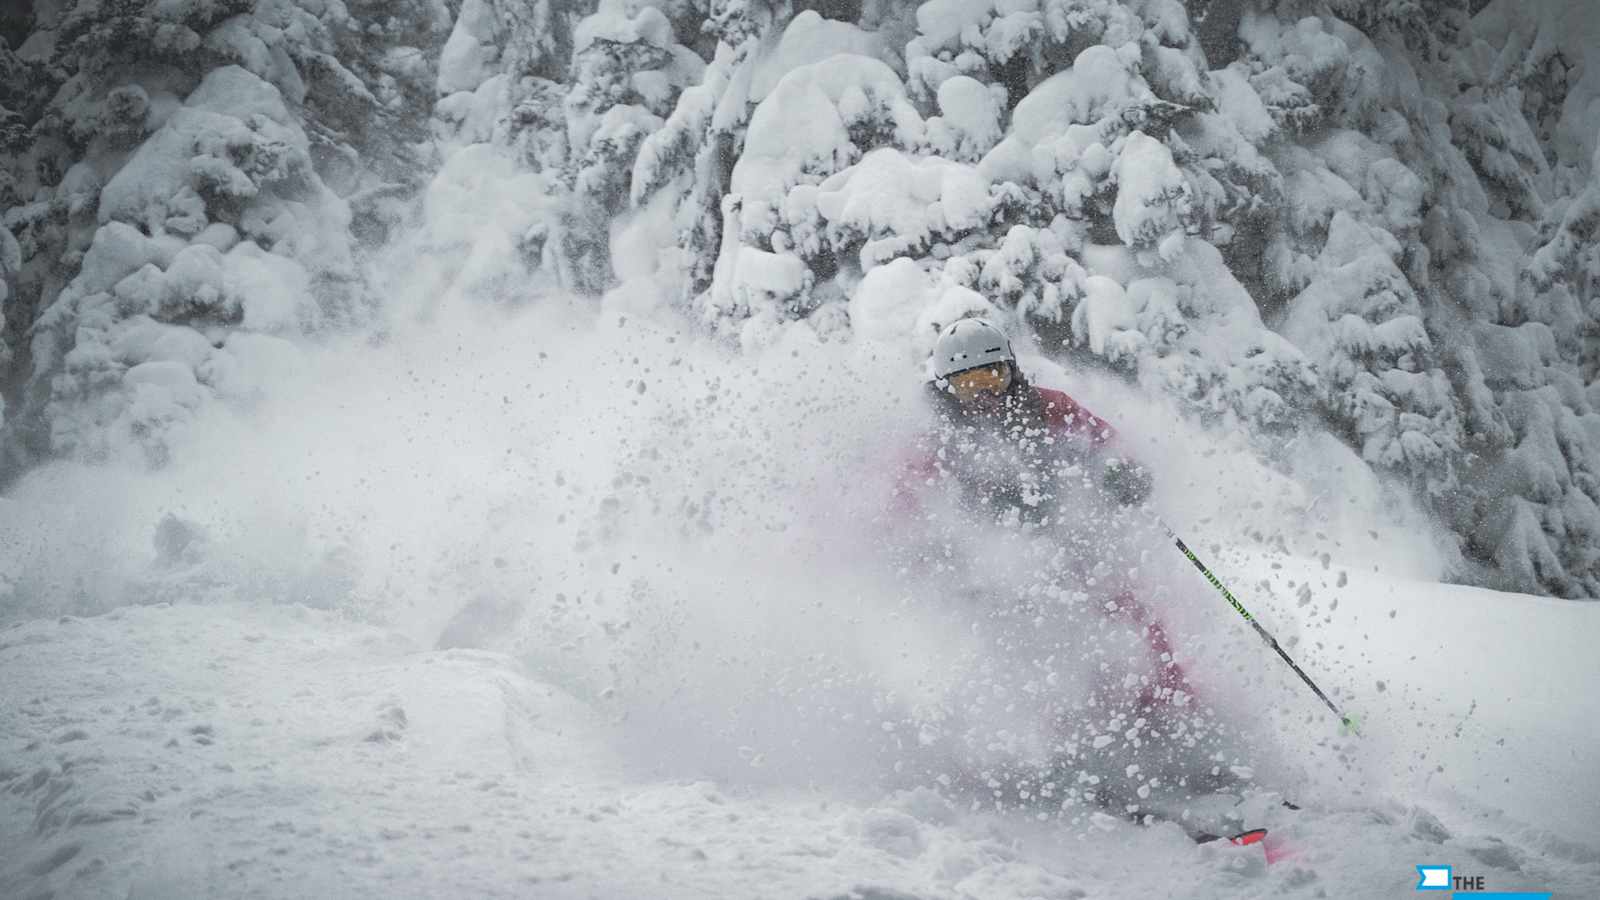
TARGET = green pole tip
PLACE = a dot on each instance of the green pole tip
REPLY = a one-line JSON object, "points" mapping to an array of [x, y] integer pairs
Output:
{"points": [[1352, 725]]}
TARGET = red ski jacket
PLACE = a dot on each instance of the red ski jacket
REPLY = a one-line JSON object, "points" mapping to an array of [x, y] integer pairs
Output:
{"points": [[1063, 415], [1066, 418]]}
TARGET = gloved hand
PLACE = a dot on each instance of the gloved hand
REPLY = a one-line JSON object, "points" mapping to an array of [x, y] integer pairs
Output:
{"points": [[1126, 481]]}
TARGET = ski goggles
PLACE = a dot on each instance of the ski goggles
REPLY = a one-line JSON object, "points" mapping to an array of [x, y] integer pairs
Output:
{"points": [[969, 383]]}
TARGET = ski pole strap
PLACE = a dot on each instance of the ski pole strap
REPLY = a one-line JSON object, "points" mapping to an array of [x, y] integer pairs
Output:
{"points": [[1348, 721]]}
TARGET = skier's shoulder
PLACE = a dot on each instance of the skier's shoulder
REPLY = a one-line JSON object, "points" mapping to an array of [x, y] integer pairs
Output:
{"points": [[1055, 402], [1062, 412]]}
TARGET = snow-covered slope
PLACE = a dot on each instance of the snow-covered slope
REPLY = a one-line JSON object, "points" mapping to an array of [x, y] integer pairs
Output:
{"points": [[275, 751], [672, 551]]}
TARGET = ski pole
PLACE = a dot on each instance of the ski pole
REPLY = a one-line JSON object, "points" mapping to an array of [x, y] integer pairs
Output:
{"points": [[1349, 721]]}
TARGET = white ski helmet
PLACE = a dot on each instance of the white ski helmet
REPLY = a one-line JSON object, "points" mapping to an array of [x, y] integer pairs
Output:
{"points": [[968, 344]]}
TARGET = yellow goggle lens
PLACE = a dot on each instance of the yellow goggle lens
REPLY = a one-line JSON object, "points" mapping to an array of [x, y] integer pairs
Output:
{"points": [[972, 382]]}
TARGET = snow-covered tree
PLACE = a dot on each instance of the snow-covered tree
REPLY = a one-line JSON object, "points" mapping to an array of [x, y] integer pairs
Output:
{"points": [[627, 72], [692, 157], [1473, 125], [188, 182], [217, 226], [818, 120]]}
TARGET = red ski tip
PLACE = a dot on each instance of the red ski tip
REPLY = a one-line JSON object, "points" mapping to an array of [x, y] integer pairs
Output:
{"points": [[1254, 836], [1272, 846]]}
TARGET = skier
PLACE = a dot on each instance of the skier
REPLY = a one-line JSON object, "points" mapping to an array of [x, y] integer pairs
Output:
{"points": [[1036, 471], [1024, 455], [976, 380]]}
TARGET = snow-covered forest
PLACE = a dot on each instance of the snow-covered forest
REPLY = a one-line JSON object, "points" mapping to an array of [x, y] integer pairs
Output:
{"points": [[572, 345], [1367, 220]]}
